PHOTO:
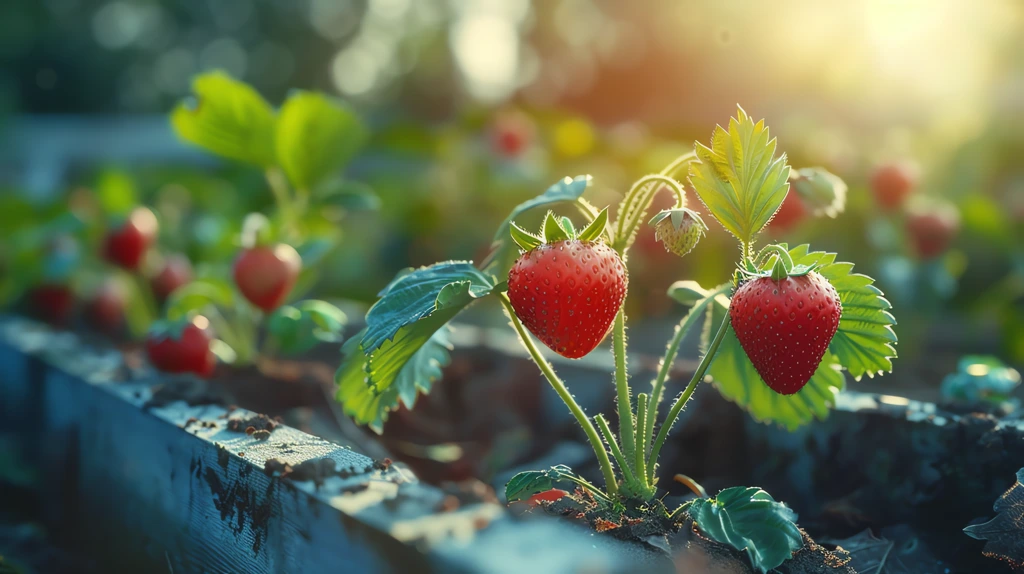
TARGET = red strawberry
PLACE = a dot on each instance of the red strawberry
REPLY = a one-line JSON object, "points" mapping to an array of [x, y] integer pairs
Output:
{"points": [[546, 496], [891, 183], [931, 228], [52, 302], [176, 271], [790, 213], [127, 245], [567, 293], [182, 348], [785, 326], [266, 274], [105, 310]]}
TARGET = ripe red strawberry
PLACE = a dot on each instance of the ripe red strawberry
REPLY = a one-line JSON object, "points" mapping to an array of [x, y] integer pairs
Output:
{"points": [[266, 274], [127, 245], [891, 183], [567, 293], [790, 213], [931, 227], [176, 271], [182, 347], [785, 326]]}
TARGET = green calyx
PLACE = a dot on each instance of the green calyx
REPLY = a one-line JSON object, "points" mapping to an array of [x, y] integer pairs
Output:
{"points": [[678, 229], [774, 261], [556, 229]]}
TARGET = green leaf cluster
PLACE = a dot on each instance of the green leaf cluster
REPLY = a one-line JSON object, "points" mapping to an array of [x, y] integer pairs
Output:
{"points": [[311, 137]]}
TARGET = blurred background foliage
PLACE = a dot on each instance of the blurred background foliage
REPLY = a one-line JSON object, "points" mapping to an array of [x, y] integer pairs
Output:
{"points": [[476, 105]]}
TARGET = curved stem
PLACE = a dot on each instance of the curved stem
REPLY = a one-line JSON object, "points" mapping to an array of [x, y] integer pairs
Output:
{"points": [[622, 387], [635, 204], [588, 427], [677, 407], [777, 250], [680, 161], [672, 350]]}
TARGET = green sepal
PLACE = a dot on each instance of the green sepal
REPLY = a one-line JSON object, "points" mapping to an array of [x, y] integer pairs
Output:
{"points": [[596, 228], [553, 230], [779, 271], [524, 239], [567, 225]]}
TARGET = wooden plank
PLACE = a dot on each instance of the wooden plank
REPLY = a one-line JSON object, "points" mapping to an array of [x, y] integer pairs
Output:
{"points": [[173, 487]]}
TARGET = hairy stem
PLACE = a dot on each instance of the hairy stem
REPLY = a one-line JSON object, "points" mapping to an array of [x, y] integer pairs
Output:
{"points": [[681, 401], [635, 204], [679, 162], [556, 383], [626, 421], [641, 439], [658, 388], [609, 437]]}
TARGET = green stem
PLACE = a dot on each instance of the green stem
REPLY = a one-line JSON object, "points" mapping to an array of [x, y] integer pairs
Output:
{"points": [[620, 459], [556, 383], [635, 204], [626, 421], [671, 351], [680, 161], [641, 438], [222, 327], [279, 186], [677, 407], [142, 315]]}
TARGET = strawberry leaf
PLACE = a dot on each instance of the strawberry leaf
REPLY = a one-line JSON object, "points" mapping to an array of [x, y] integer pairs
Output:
{"points": [[371, 385], [864, 343], [228, 118], [525, 484], [503, 250], [316, 136], [417, 294], [739, 178], [197, 296], [751, 521], [1003, 535]]}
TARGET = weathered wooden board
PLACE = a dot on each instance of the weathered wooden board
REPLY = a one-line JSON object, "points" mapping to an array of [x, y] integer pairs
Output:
{"points": [[171, 488]]}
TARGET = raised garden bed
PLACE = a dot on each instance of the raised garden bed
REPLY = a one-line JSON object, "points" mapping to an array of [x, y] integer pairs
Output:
{"points": [[141, 480]]}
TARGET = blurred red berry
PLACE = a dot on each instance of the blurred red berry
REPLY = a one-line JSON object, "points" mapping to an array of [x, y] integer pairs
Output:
{"points": [[182, 348], [931, 228], [891, 183], [511, 134], [105, 309], [790, 213], [266, 274], [127, 245], [176, 271], [52, 302]]}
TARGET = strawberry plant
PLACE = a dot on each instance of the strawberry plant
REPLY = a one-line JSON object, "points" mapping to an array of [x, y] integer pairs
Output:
{"points": [[776, 337], [301, 149]]}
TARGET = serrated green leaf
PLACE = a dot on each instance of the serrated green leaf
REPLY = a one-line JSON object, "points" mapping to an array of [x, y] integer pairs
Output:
{"points": [[739, 178], [751, 521], [370, 386], [418, 294], [197, 295], [228, 118], [864, 343], [316, 136], [524, 239], [503, 250], [596, 229]]}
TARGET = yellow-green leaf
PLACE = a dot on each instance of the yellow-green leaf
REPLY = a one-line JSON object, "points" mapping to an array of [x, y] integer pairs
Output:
{"points": [[316, 136], [227, 117], [739, 178]]}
